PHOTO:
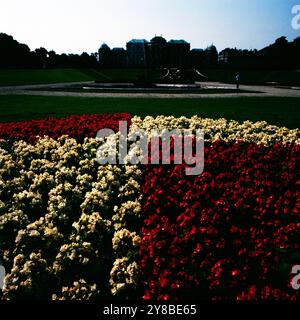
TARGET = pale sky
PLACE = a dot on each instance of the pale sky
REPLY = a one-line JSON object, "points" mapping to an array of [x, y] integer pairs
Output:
{"points": [[74, 26]]}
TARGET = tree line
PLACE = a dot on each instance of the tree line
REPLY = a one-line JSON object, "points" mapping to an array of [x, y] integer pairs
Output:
{"points": [[281, 54], [18, 55]]}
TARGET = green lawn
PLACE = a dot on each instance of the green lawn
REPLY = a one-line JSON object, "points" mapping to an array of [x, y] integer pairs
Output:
{"points": [[255, 77], [147, 90], [278, 111], [39, 76], [127, 75]]}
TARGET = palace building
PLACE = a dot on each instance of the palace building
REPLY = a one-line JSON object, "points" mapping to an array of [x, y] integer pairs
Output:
{"points": [[156, 53]]}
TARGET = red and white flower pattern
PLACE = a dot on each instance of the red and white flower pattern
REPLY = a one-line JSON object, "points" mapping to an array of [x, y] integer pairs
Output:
{"points": [[73, 229]]}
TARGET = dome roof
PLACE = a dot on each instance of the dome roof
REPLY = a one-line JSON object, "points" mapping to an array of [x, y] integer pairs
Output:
{"points": [[104, 46], [158, 40], [211, 48]]}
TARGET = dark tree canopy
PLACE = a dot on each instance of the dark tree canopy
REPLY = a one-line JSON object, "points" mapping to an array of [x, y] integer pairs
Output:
{"points": [[17, 55], [281, 54]]}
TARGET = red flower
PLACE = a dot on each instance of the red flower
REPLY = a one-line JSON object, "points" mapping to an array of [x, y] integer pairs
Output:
{"points": [[228, 233], [75, 126]]}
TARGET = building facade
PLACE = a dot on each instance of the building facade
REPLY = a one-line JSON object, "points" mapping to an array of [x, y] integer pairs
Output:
{"points": [[118, 58], [137, 53], [197, 58], [178, 53], [211, 56], [104, 55], [158, 53]]}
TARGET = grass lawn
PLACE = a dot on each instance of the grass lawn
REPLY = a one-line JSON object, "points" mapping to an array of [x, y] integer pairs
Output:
{"points": [[39, 76], [127, 74], [250, 76], [148, 90], [254, 77], [44, 76], [278, 111]]}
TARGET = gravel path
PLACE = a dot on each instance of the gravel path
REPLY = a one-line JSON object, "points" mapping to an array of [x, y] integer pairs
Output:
{"points": [[264, 91]]}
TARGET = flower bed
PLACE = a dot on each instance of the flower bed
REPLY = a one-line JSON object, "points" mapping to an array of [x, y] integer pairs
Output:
{"points": [[66, 222], [86, 231], [75, 126], [221, 129], [230, 233]]}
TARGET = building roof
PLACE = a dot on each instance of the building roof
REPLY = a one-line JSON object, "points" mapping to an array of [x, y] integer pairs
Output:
{"points": [[118, 49], [158, 40], [138, 41], [178, 42], [197, 50], [211, 48], [104, 46]]}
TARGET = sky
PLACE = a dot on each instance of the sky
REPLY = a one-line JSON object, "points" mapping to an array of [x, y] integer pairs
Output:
{"points": [[75, 26]]}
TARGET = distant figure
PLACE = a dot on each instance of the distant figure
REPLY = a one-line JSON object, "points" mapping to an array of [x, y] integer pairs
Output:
{"points": [[237, 81]]}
